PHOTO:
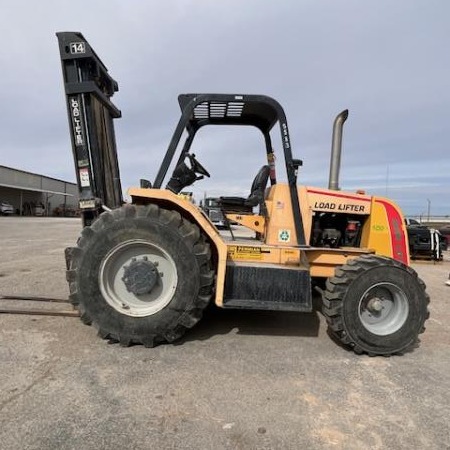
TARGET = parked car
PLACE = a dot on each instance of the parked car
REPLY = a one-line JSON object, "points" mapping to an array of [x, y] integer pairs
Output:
{"points": [[65, 211], [424, 242], [6, 209], [39, 210]]}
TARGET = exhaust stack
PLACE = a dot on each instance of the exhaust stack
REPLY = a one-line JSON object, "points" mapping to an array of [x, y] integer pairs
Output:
{"points": [[336, 150]]}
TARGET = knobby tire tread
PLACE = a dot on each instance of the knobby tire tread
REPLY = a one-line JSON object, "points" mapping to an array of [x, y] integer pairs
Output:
{"points": [[191, 236], [337, 287]]}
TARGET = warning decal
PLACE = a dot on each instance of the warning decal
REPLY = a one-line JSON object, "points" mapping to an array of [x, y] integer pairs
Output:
{"points": [[244, 252], [84, 177]]}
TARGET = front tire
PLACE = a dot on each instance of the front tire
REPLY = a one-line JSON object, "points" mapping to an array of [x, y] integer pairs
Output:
{"points": [[375, 305], [140, 275]]}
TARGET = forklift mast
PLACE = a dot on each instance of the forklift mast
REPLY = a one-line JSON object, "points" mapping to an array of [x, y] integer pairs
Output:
{"points": [[89, 89]]}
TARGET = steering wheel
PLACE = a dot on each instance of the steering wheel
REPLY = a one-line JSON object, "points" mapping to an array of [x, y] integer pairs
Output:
{"points": [[197, 167]]}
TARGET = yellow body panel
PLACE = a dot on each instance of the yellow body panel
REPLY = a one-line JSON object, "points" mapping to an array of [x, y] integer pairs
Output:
{"points": [[383, 231], [280, 228], [252, 221], [376, 232], [323, 261]]}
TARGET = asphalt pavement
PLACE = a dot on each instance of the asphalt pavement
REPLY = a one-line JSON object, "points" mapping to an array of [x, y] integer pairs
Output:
{"points": [[238, 380]]}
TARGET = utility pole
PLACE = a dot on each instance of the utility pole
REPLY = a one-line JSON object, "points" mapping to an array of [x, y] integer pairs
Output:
{"points": [[429, 208]]}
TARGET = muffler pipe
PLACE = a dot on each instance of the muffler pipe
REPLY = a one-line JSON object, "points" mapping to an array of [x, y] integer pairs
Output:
{"points": [[336, 150]]}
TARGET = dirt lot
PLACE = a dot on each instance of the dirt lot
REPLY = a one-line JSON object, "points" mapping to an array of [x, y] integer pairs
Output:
{"points": [[239, 380]]}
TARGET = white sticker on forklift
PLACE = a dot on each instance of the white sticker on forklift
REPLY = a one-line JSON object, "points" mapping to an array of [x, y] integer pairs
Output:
{"points": [[84, 177], [284, 236], [77, 47]]}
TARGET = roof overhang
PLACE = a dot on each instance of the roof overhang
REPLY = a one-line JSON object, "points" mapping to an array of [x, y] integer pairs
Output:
{"points": [[31, 189]]}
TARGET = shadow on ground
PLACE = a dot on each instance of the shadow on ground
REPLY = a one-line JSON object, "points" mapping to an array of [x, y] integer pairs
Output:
{"points": [[217, 321]]}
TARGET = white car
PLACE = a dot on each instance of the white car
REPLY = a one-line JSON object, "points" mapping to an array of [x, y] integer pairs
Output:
{"points": [[6, 209]]}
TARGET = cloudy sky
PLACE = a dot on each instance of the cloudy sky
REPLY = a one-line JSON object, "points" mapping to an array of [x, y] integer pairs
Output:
{"points": [[386, 61]]}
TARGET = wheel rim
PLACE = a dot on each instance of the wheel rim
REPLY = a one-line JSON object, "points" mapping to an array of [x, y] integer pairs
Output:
{"points": [[152, 262], [383, 309]]}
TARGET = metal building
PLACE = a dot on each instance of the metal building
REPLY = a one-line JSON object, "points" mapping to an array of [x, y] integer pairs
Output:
{"points": [[34, 194]]}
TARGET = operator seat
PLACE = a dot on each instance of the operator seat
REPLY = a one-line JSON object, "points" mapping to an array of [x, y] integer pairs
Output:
{"points": [[240, 205]]}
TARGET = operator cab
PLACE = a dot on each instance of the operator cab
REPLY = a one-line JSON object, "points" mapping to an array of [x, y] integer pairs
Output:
{"points": [[259, 111]]}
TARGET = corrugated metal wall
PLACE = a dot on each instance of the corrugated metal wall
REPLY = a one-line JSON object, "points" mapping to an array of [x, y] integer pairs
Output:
{"points": [[19, 187]]}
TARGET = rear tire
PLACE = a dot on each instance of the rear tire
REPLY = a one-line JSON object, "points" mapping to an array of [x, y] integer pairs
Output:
{"points": [[140, 275], [375, 305]]}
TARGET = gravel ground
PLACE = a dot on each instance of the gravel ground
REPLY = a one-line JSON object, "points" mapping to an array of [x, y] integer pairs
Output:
{"points": [[239, 380]]}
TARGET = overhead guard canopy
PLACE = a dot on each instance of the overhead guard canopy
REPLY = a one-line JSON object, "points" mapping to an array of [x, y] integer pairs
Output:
{"points": [[259, 111]]}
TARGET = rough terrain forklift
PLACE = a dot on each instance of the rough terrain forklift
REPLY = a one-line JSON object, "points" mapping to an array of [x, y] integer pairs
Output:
{"points": [[143, 272]]}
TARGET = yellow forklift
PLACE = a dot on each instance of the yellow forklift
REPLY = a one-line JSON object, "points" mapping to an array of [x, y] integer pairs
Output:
{"points": [[143, 272]]}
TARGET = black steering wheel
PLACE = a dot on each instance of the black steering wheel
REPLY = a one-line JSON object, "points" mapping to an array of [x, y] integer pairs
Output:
{"points": [[197, 167]]}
